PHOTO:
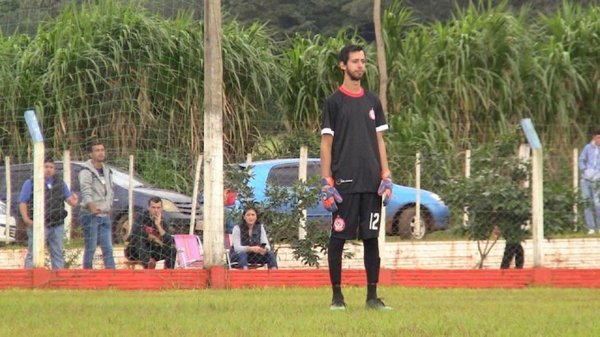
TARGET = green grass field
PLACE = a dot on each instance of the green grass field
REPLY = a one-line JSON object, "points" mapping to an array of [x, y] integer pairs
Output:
{"points": [[300, 312]]}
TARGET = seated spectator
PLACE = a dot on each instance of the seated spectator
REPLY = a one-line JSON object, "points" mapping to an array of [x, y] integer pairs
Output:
{"points": [[250, 243], [150, 240]]}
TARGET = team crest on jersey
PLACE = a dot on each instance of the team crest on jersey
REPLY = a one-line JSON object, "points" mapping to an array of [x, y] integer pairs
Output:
{"points": [[372, 114], [339, 224]]}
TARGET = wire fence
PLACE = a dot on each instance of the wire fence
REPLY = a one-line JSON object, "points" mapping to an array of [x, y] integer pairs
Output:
{"points": [[133, 82], [487, 208]]}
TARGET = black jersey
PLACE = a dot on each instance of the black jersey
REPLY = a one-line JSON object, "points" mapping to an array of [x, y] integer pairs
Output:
{"points": [[354, 120]]}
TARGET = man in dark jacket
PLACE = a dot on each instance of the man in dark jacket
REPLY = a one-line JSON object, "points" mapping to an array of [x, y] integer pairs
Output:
{"points": [[150, 240], [56, 193]]}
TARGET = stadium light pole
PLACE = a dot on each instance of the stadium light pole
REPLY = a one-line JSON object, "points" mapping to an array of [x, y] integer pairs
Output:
{"points": [[213, 136]]}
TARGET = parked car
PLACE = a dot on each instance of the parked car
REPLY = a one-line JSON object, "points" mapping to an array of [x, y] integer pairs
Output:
{"points": [[177, 208], [400, 211], [4, 220]]}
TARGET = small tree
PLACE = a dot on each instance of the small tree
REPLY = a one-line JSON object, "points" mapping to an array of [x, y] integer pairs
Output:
{"points": [[497, 204], [281, 212], [559, 199]]}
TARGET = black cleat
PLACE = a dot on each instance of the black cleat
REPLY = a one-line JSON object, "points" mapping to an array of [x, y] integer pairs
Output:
{"points": [[337, 304], [377, 304]]}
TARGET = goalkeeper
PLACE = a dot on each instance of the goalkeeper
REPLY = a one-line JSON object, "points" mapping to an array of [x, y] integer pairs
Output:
{"points": [[355, 173]]}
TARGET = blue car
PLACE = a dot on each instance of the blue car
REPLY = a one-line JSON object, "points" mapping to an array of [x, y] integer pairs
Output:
{"points": [[400, 212]]}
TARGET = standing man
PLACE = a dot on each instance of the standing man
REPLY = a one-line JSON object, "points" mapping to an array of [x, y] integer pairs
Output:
{"points": [[56, 193], [150, 240], [95, 181], [354, 162], [514, 234], [589, 168]]}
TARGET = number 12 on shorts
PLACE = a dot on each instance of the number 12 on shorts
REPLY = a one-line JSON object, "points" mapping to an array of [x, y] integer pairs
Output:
{"points": [[374, 222]]}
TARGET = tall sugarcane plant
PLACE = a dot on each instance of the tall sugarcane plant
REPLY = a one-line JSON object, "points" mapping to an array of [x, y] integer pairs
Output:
{"points": [[311, 73], [475, 76], [114, 70]]}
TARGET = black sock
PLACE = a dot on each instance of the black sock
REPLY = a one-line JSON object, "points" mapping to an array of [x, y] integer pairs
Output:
{"points": [[372, 260], [371, 291], [335, 250], [337, 291]]}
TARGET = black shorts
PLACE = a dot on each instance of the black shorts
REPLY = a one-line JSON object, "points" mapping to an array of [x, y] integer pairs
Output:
{"points": [[358, 216]]}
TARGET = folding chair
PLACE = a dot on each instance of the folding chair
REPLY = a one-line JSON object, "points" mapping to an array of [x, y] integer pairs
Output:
{"points": [[189, 251], [228, 244]]}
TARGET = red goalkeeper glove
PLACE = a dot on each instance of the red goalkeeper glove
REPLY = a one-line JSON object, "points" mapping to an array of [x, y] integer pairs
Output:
{"points": [[329, 195], [385, 187]]}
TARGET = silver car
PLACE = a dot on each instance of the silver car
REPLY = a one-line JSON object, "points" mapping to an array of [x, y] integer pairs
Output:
{"points": [[4, 220]]}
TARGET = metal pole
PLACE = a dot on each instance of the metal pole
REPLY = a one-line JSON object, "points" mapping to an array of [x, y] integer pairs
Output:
{"points": [[195, 194], [537, 201], [467, 176], [418, 194], [537, 190], [249, 163], [38, 205], [302, 172], [8, 197], [129, 226], [575, 187], [381, 238], [38, 188], [67, 179]]}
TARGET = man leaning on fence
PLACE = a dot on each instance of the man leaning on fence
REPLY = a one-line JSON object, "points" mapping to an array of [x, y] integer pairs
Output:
{"points": [[55, 195], [589, 168]]}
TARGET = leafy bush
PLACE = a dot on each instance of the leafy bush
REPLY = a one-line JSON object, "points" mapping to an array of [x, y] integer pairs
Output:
{"points": [[559, 200], [496, 200], [494, 194], [281, 213]]}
